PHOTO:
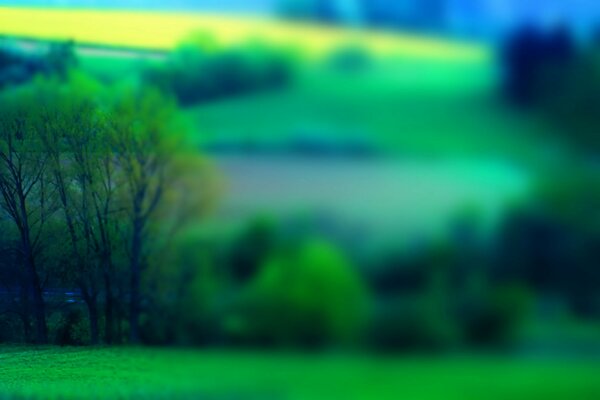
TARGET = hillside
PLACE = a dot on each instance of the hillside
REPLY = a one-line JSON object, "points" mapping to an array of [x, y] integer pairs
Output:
{"points": [[148, 30]]}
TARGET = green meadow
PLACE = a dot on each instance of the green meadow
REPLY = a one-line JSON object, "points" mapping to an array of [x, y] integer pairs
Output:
{"points": [[97, 373]]}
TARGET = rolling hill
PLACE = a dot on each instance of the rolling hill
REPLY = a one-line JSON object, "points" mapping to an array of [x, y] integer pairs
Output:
{"points": [[163, 31]]}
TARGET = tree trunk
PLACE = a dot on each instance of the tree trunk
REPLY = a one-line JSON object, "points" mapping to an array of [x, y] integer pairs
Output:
{"points": [[39, 307], [91, 302], [25, 311], [93, 316], [134, 302], [119, 324], [26, 327], [33, 279], [109, 309], [24, 299]]}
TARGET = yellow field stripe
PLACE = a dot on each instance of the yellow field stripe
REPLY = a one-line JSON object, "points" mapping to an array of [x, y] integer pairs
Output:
{"points": [[163, 31]]}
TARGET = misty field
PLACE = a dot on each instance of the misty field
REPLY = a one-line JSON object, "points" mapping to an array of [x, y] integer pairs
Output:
{"points": [[157, 373], [370, 194]]}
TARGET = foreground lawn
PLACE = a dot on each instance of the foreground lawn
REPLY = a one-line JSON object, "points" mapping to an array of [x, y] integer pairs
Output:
{"points": [[158, 373]]}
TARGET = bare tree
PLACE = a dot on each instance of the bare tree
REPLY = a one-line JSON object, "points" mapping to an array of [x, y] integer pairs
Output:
{"points": [[27, 202]]}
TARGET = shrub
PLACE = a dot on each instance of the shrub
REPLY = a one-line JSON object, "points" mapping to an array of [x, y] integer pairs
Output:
{"points": [[442, 297], [411, 325], [184, 287], [71, 328], [194, 74], [250, 249], [307, 296], [494, 319], [11, 329], [552, 244], [17, 66]]}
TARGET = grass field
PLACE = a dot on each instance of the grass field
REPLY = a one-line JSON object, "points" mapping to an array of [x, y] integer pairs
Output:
{"points": [[424, 96], [400, 108], [427, 97], [67, 373], [147, 30], [403, 105]]}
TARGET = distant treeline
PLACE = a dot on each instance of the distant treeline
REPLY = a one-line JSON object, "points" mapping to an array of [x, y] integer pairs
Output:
{"points": [[551, 72], [19, 66], [196, 73]]}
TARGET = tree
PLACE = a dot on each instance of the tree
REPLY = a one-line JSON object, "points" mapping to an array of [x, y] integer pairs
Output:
{"points": [[18, 66], [142, 133], [81, 169], [196, 73], [70, 138], [27, 202], [535, 63]]}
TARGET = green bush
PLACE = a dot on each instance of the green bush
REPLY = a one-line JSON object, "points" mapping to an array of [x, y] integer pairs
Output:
{"points": [[444, 297], [551, 244], [307, 296], [411, 325], [71, 328], [494, 320], [194, 74], [11, 329], [250, 249], [184, 287], [18, 66]]}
